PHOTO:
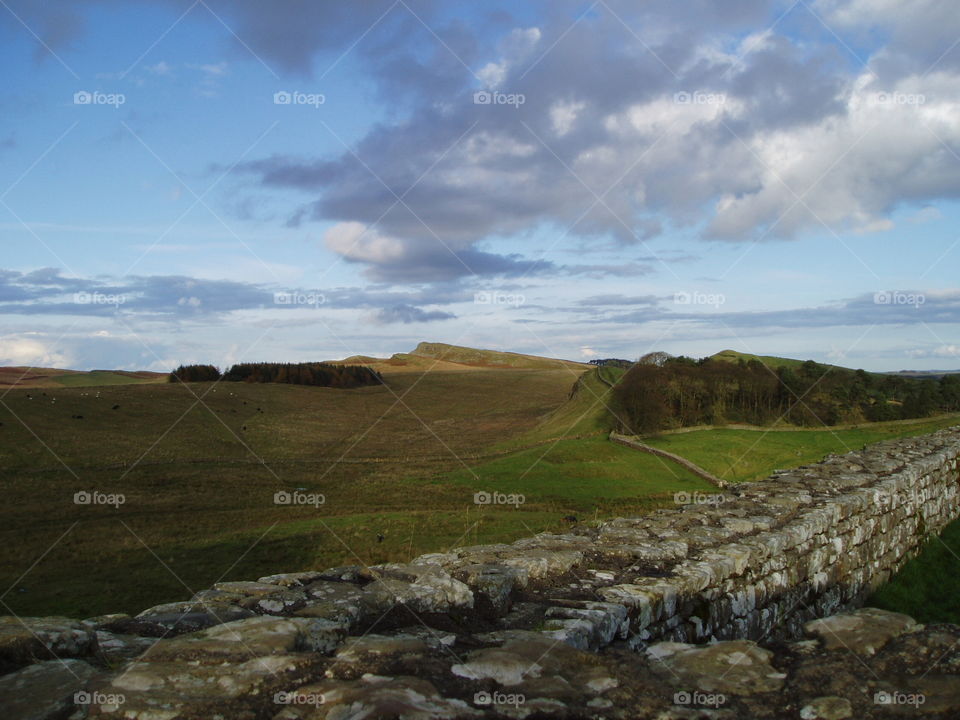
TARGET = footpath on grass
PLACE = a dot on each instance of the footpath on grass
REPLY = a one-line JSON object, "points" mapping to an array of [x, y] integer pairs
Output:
{"points": [[632, 442]]}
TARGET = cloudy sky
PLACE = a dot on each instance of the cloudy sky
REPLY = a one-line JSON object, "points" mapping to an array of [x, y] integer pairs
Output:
{"points": [[220, 180]]}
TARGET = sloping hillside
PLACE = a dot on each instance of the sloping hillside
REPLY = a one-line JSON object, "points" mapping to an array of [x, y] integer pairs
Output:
{"points": [[771, 361], [490, 358], [588, 411], [31, 377], [436, 357]]}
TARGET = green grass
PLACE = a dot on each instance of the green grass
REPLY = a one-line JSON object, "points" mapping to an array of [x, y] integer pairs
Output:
{"points": [[586, 413], [611, 374], [97, 378], [581, 474], [168, 570], [927, 587], [199, 501], [199, 476], [771, 361], [740, 455]]}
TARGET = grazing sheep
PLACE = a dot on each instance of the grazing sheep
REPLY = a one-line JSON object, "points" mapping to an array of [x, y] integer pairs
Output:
{"points": [[116, 407]]}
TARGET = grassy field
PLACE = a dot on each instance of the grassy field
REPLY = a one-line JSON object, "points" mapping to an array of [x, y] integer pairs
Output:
{"points": [[198, 467], [584, 472], [54, 378], [927, 587], [100, 378], [738, 455], [587, 412]]}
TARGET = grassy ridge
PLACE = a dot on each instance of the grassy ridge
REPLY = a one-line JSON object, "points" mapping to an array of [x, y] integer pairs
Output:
{"points": [[473, 356], [586, 412], [770, 361], [47, 378]]}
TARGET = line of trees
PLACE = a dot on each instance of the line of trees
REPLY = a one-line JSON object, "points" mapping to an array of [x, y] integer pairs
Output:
{"points": [[681, 392], [195, 373], [311, 373]]}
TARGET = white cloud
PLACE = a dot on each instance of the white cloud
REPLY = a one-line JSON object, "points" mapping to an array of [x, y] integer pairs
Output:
{"points": [[944, 351], [16, 350], [850, 172], [161, 68], [564, 115], [514, 49], [356, 241]]}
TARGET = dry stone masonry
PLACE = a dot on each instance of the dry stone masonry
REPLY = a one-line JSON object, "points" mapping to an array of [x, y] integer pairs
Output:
{"points": [[739, 607]]}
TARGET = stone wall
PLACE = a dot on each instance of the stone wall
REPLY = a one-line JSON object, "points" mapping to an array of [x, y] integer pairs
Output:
{"points": [[591, 623], [769, 556]]}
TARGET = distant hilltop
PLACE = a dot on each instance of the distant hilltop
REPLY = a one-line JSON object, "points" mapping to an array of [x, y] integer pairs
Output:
{"points": [[25, 377], [441, 356]]}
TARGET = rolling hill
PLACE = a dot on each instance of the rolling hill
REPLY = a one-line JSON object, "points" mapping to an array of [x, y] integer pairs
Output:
{"points": [[439, 357], [32, 377], [771, 361]]}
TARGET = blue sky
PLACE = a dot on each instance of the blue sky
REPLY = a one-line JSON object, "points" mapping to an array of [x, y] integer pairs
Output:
{"points": [[772, 177]]}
